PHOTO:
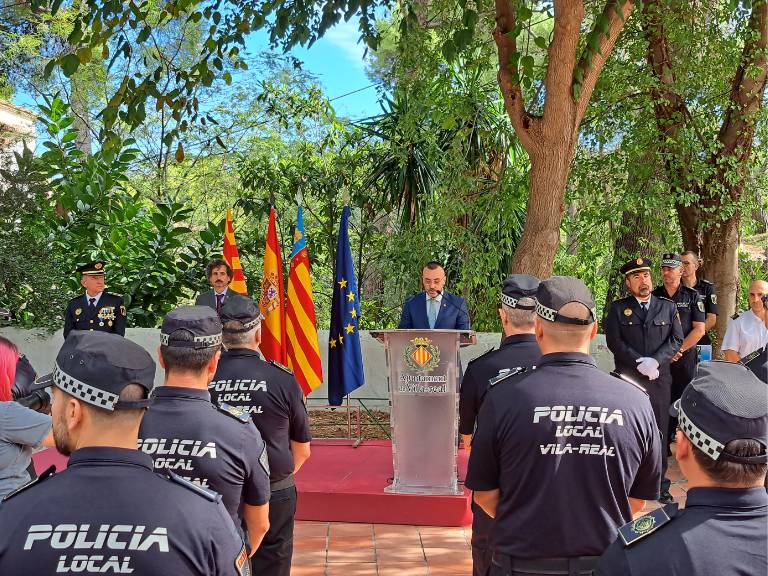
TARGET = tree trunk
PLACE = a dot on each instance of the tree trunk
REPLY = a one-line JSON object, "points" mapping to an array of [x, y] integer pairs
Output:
{"points": [[548, 176]]}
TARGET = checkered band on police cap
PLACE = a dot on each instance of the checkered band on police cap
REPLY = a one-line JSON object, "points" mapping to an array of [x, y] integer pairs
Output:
{"points": [[241, 309], [556, 292], [200, 322], [725, 401], [516, 287], [671, 260], [95, 367]]}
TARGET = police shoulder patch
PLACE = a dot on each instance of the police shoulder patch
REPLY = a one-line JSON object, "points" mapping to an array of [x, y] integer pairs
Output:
{"points": [[50, 471], [234, 412], [209, 495], [506, 373], [648, 524], [281, 366]]}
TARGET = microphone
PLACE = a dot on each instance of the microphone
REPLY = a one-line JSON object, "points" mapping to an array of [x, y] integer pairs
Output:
{"points": [[445, 301]]}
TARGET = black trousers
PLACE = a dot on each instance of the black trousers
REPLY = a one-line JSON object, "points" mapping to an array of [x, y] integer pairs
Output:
{"points": [[682, 373], [505, 566], [659, 392], [481, 548], [273, 558]]}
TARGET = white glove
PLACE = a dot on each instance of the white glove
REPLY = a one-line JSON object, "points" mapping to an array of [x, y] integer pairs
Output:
{"points": [[648, 366]]}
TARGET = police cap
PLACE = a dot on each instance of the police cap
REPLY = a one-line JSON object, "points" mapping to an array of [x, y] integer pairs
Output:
{"points": [[200, 322], [95, 367], [94, 268], [517, 287], [240, 309], [636, 265], [556, 292], [725, 401], [671, 260]]}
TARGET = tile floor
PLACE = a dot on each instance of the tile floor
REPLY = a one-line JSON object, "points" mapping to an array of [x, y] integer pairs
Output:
{"points": [[334, 548]]}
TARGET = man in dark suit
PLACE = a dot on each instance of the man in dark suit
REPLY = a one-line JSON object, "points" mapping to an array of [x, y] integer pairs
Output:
{"points": [[219, 276], [95, 310], [644, 333], [434, 308]]}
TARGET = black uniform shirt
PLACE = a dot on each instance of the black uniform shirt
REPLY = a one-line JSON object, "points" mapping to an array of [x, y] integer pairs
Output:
{"points": [[109, 513], [629, 337], [187, 435], [107, 316], [706, 290], [272, 397], [721, 532], [690, 307], [516, 350], [565, 445]]}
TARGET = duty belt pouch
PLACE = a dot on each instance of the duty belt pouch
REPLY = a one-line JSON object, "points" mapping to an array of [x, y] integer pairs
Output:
{"points": [[286, 482]]}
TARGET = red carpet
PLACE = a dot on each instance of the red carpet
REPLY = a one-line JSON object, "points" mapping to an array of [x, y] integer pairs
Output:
{"points": [[340, 483], [344, 484]]}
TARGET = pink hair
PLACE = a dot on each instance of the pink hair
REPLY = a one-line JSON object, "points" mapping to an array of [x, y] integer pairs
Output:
{"points": [[9, 356]]}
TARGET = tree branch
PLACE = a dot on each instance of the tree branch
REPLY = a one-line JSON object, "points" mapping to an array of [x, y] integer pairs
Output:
{"points": [[514, 103], [605, 47]]}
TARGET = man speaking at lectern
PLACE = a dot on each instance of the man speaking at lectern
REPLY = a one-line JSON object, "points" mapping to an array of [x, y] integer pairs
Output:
{"points": [[434, 308]]}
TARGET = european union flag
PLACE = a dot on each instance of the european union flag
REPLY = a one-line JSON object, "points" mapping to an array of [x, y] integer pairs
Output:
{"points": [[345, 360]]}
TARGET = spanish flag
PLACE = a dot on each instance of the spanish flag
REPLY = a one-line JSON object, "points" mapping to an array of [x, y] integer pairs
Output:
{"points": [[232, 257], [300, 323], [272, 298]]}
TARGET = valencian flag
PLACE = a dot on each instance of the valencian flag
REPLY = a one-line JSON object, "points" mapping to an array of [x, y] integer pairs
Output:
{"points": [[272, 298], [302, 349], [232, 258], [345, 360]]}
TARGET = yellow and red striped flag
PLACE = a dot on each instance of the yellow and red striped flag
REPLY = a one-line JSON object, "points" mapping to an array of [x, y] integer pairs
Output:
{"points": [[232, 257], [303, 349], [272, 298]]}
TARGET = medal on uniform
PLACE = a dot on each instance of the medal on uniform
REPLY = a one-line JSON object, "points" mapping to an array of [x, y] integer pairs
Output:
{"points": [[78, 311], [627, 312], [109, 323], [101, 323]]}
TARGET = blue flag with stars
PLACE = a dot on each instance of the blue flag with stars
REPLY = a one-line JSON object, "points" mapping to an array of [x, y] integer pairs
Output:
{"points": [[345, 359]]}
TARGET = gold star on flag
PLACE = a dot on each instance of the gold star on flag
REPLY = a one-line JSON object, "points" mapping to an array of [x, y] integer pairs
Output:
{"points": [[353, 312], [341, 339], [343, 283], [332, 342], [351, 296], [350, 328]]}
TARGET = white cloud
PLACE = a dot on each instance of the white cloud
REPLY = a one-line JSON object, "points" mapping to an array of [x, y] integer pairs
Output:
{"points": [[345, 36]]}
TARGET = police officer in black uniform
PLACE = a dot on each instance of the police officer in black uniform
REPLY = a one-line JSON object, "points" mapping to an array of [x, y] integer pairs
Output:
{"points": [[95, 310], [214, 446], [644, 333], [108, 512], [270, 394], [690, 308], [565, 453], [518, 348], [721, 447], [706, 290]]}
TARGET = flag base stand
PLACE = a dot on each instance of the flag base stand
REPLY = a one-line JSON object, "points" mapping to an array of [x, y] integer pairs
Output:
{"points": [[354, 435]]}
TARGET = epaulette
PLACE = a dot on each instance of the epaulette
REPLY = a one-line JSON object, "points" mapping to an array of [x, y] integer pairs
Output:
{"points": [[629, 381], [648, 524], [667, 299], [505, 373], [50, 471], [209, 495], [281, 366], [707, 281], [237, 413], [735, 315], [481, 355]]}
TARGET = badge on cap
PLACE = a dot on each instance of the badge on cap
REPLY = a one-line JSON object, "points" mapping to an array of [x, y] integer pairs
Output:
{"points": [[98, 265], [627, 312], [639, 261]]}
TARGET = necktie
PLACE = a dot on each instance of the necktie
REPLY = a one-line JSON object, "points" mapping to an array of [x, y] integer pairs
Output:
{"points": [[219, 299], [432, 312], [92, 302], [644, 306]]}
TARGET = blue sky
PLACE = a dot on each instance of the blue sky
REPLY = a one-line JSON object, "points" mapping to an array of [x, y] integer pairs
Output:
{"points": [[337, 62]]}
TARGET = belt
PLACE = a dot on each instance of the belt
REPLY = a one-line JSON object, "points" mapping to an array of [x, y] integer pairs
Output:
{"points": [[286, 482], [579, 565]]}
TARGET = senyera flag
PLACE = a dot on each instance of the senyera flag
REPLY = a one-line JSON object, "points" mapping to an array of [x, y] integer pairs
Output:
{"points": [[232, 257], [302, 348], [272, 298]]}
